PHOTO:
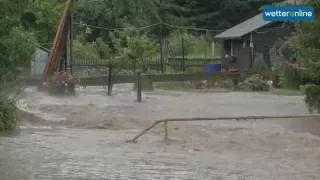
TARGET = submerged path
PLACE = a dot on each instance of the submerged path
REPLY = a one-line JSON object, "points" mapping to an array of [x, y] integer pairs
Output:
{"points": [[84, 137]]}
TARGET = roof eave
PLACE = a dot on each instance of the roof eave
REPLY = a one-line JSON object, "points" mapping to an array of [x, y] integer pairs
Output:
{"points": [[239, 37], [228, 38], [44, 49]]}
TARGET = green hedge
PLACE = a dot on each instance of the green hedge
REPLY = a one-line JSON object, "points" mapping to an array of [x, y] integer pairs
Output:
{"points": [[312, 99], [8, 119]]}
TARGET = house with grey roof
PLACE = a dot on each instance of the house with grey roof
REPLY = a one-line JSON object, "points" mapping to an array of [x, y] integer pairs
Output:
{"points": [[253, 39]]}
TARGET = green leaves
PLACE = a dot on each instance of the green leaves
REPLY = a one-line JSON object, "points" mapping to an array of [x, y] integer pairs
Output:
{"points": [[43, 18], [306, 45], [8, 119], [198, 46], [133, 47], [312, 98], [91, 50], [16, 51]]}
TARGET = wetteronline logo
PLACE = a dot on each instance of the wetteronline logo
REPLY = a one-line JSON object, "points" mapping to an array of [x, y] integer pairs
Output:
{"points": [[289, 13]]}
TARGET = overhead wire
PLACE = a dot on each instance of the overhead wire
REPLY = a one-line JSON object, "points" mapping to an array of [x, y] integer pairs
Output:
{"points": [[150, 26], [114, 29], [192, 28]]}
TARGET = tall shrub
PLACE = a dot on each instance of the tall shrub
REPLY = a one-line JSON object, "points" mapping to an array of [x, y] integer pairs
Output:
{"points": [[8, 119], [306, 46]]}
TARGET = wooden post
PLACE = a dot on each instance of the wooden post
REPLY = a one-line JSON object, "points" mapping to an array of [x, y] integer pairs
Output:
{"points": [[161, 49], [183, 55], [139, 90], [165, 130], [110, 83], [66, 61], [61, 63], [71, 39], [213, 49], [235, 84]]}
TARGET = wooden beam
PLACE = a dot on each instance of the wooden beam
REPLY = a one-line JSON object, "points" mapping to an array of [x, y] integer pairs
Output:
{"points": [[59, 44]]}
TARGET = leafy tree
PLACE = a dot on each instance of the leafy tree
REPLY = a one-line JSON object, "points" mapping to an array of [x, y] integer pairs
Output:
{"points": [[133, 48], [16, 44], [115, 13], [96, 50], [15, 52], [222, 14], [19, 47], [42, 17], [84, 50], [306, 45]]}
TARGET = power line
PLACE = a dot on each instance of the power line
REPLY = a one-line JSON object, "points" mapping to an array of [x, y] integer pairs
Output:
{"points": [[152, 25], [192, 28], [113, 29]]}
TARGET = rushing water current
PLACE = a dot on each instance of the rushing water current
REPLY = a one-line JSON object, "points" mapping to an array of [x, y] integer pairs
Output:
{"points": [[83, 137]]}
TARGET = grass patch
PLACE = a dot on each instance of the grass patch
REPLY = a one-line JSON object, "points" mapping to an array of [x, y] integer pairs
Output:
{"points": [[288, 92], [175, 86]]}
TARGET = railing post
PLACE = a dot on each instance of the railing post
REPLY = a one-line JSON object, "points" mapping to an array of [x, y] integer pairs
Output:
{"points": [[165, 130], [139, 90], [110, 83]]}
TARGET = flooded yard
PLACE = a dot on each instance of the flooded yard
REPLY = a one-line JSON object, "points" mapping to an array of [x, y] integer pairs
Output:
{"points": [[83, 137]]}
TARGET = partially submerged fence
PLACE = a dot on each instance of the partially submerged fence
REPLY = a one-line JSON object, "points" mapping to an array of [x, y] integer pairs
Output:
{"points": [[171, 65], [111, 79], [166, 122]]}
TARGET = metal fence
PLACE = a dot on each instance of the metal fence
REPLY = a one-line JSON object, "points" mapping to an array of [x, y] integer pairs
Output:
{"points": [[169, 65], [179, 49]]}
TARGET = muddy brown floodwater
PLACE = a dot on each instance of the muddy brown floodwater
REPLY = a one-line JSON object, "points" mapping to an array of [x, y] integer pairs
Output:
{"points": [[83, 137]]}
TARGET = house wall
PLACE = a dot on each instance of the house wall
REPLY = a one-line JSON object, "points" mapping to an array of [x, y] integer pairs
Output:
{"points": [[264, 43], [242, 54], [264, 40]]}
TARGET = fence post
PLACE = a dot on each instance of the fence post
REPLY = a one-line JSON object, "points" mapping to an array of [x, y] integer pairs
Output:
{"points": [[71, 38], [183, 55], [139, 90], [161, 49], [61, 63], [110, 83], [165, 130], [66, 61], [235, 84]]}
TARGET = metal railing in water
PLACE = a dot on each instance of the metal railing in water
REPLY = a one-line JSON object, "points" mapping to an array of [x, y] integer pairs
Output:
{"points": [[166, 121]]}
